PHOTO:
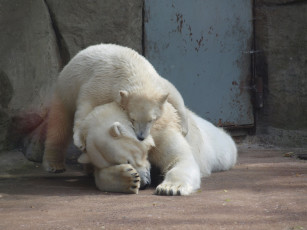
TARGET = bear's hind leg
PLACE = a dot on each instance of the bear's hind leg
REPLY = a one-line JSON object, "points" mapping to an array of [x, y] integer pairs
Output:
{"points": [[59, 131]]}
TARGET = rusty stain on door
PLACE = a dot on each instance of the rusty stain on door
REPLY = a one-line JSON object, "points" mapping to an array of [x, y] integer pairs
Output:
{"points": [[203, 48]]}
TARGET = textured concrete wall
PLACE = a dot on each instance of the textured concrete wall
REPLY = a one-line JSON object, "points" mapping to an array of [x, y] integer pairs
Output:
{"points": [[29, 60], [281, 38], [38, 37], [79, 23]]}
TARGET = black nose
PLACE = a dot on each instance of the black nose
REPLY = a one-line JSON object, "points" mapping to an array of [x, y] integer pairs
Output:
{"points": [[141, 138]]}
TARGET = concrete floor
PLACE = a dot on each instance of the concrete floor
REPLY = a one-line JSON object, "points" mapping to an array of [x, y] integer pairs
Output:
{"points": [[266, 190]]}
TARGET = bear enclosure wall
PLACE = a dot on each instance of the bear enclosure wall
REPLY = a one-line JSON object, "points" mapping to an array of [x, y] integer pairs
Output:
{"points": [[281, 65], [38, 37]]}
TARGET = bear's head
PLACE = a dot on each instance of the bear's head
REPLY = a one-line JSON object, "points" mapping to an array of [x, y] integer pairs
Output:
{"points": [[143, 110], [110, 140]]}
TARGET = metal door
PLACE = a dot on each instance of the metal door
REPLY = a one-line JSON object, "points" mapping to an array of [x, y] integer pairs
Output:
{"points": [[203, 48]]}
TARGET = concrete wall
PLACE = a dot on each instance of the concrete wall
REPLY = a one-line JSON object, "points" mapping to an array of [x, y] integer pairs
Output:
{"points": [[38, 37], [281, 61]]}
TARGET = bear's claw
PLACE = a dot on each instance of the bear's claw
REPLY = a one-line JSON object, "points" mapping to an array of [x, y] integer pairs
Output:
{"points": [[135, 178], [169, 189]]}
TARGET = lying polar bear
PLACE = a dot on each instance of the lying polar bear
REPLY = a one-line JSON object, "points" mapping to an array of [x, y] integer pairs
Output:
{"points": [[119, 158], [113, 148]]}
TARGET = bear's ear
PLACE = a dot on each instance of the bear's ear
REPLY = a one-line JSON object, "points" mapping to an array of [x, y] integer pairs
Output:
{"points": [[116, 130], [84, 159], [163, 99], [124, 98]]}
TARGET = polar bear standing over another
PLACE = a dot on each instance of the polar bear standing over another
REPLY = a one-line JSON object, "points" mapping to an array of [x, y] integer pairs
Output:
{"points": [[102, 74]]}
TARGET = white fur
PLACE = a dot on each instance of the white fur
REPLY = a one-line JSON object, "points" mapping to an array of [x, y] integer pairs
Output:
{"points": [[98, 75], [183, 160], [110, 141], [218, 151]]}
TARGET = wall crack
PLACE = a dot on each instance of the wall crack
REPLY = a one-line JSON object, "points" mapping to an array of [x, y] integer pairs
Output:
{"points": [[61, 43]]}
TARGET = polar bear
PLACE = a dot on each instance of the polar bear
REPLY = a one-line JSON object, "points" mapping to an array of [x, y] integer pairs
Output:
{"points": [[120, 160], [98, 75], [185, 160], [182, 159]]}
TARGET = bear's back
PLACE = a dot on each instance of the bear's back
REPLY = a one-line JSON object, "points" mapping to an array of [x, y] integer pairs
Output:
{"points": [[106, 68]]}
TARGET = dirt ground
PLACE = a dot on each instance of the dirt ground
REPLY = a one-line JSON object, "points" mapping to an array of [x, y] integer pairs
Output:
{"points": [[266, 190]]}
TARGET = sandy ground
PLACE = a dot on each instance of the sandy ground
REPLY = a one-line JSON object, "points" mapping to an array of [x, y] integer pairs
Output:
{"points": [[266, 190]]}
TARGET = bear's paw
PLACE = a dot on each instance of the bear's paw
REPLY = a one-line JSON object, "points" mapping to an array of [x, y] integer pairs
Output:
{"points": [[53, 166], [171, 189], [119, 178], [132, 178]]}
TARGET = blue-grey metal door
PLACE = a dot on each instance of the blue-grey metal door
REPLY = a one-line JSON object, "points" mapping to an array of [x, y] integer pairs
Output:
{"points": [[203, 48]]}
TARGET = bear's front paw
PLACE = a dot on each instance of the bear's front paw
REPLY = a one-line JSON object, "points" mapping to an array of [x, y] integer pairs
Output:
{"points": [[131, 178], [170, 189], [119, 178]]}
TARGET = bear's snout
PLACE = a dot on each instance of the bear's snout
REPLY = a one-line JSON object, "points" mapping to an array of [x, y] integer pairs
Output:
{"points": [[140, 138]]}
